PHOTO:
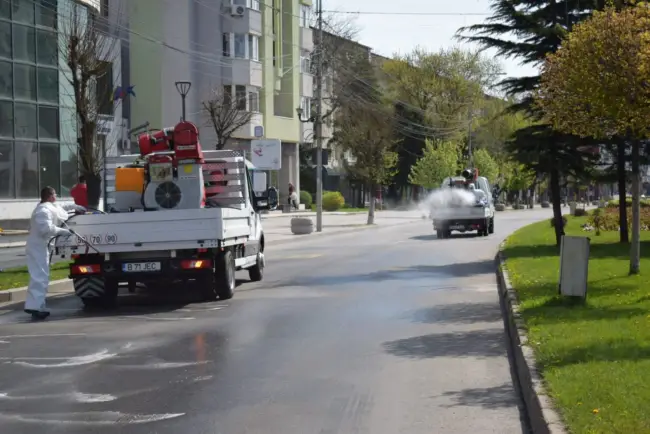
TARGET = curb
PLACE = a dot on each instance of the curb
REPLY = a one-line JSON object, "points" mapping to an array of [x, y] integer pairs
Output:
{"points": [[542, 416]]}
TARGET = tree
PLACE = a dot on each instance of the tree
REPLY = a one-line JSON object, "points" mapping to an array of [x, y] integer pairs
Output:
{"points": [[433, 94], [88, 51], [596, 85], [226, 114], [486, 165], [438, 161], [538, 28]]}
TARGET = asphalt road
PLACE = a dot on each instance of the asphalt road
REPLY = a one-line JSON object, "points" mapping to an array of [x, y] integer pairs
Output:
{"points": [[384, 331]]}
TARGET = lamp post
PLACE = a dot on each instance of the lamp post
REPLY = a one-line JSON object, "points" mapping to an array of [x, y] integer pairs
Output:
{"points": [[183, 87], [319, 165]]}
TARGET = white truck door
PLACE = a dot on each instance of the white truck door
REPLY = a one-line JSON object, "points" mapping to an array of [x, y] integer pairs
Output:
{"points": [[254, 218]]}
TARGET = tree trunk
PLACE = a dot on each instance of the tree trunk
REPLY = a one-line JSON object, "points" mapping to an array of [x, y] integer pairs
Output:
{"points": [[371, 207], [556, 200], [635, 248], [94, 185], [622, 197]]}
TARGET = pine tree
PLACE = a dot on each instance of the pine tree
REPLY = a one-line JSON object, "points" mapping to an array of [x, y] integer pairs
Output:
{"points": [[539, 27]]}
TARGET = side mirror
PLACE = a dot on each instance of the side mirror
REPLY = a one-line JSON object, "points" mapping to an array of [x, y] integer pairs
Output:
{"points": [[261, 204]]}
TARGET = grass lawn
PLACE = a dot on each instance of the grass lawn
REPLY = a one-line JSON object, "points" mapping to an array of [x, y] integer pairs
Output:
{"points": [[18, 277], [595, 358]]}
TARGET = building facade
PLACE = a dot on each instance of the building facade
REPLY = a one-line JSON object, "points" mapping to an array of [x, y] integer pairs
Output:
{"points": [[248, 49], [38, 128]]}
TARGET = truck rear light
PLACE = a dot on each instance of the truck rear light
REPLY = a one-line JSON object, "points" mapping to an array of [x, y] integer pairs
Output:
{"points": [[195, 264], [203, 250], [85, 269], [74, 256]]}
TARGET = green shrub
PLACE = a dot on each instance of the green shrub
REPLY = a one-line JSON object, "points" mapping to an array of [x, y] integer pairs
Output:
{"points": [[306, 199], [608, 220], [552, 221], [645, 203], [580, 212], [333, 201]]}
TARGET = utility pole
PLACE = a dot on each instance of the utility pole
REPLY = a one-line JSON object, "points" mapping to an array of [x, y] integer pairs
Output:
{"points": [[469, 138], [318, 122]]}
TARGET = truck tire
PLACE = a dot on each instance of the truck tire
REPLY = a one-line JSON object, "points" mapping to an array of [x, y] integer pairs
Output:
{"points": [[491, 226], [97, 293], [439, 234], [224, 276], [256, 272]]}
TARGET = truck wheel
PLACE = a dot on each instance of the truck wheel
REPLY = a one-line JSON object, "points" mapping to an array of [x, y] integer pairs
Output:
{"points": [[106, 298], [256, 272], [491, 226], [439, 234], [224, 277]]}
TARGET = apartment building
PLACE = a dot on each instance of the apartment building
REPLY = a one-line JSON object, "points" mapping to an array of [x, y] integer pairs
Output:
{"points": [[248, 49], [38, 131]]}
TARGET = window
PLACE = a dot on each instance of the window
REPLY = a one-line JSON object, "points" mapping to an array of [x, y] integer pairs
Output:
{"points": [[48, 123], [25, 120], [240, 97], [6, 80], [239, 2], [5, 39], [253, 47], [254, 4], [47, 49], [305, 16], [46, 13], [24, 82], [227, 95], [240, 46], [24, 43], [48, 85], [226, 44], [5, 10], [23, 11], [69, 170], [48, 161], [305, 62], [254, 101], [305, 105], [27, 169], [104, 8], [6, 119], [6, 169], [104, 89]]}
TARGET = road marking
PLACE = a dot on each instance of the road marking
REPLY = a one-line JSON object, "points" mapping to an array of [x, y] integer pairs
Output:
{"points": [[313, 256], [41, 336], [96, 418], [69, 362], [162, 365], [149, 318]]}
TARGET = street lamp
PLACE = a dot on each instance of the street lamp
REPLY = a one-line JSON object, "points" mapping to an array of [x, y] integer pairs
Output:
{"points": [[319, 163], [183, 87]]}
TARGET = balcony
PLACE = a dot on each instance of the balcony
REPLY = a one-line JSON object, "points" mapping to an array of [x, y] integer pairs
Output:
{"points": [[250, 22], [307, 85], [248, 131], [306, 39], [242, 71]]}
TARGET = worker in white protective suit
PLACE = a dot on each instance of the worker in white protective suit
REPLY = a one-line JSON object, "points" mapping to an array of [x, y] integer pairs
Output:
{"points": [[44, 225]]}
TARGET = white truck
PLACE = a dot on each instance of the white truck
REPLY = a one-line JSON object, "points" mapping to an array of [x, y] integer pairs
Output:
{"points": [[477, 214], [192, 220]]}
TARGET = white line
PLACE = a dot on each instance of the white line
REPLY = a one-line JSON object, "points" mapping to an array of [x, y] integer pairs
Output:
{"points": [[42, 336], [155, 319], [163, 365], [73, 361], [100, 418]]}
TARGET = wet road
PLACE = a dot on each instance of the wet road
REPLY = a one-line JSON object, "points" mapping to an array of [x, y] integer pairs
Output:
{"points": [[385, 331]]}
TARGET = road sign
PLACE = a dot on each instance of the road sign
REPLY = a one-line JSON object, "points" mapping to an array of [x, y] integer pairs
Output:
{"points": [[266, 154]]}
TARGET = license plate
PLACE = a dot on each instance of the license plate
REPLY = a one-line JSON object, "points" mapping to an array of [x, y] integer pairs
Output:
{"points": [[456, 227], [136, 267]]}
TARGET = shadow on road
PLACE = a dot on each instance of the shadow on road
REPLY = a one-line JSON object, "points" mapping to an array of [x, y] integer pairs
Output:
{"points": [[478, 343], [464, 269], [465, 313], [487, 397]]}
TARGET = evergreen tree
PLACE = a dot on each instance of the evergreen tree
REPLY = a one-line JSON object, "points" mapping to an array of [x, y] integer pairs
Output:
{"points": [[539, 27]]}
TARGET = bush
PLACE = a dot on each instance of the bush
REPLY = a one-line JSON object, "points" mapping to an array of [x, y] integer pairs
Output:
{"points": [[333, 201], [608, 219], [546, 204], [645, 203], [552, 221], [499, 207], [306, 199], [580, 212]]}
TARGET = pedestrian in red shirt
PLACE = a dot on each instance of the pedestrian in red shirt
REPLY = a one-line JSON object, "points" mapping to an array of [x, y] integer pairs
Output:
{"points": [[80, 193]]}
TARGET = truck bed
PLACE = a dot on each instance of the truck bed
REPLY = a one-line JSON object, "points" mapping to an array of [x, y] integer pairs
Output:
{"points": [[156, 230], [459, 213]]}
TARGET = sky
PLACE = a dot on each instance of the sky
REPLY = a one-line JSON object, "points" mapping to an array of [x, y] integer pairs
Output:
{"points": [[389, 33]]}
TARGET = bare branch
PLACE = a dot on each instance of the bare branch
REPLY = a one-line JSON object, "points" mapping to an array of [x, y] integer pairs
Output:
{"points": [[227, 114]]}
